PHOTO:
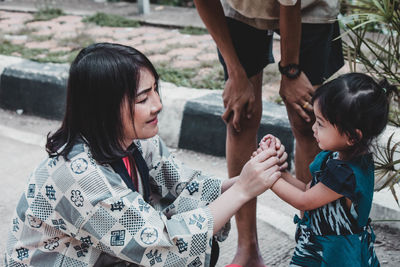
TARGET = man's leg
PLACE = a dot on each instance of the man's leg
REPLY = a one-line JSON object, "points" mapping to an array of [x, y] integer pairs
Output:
{"points": [[239, 147], [320, 57], [306, 146]]}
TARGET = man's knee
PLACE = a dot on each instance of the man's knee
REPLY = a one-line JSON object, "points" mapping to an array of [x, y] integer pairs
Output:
{"points": [[248, 126], [300, 128]]}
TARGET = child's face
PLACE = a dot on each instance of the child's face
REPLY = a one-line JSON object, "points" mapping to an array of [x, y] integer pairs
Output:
{"points": [[327, 135], [147, 106]]}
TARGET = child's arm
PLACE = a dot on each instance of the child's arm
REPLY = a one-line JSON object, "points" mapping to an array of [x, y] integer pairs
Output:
{"points": [[293, 181], [313, 198]]}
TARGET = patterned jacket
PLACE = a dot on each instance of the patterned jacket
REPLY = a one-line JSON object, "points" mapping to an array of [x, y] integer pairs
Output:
{"points": [[81, 213]]}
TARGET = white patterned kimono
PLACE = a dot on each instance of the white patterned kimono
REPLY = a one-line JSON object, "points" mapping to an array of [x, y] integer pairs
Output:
{"points": [[81, 213]]}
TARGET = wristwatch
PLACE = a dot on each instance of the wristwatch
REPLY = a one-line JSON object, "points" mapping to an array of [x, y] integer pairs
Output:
{"points": [[292, 71]]}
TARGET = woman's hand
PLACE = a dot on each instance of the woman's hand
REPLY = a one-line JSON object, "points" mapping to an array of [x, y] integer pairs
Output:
{"points": [[270, 141], [258, 174]]}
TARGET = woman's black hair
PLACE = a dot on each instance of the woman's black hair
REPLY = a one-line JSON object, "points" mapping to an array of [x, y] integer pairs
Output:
{"points": [[101, 77], [355, 101]]}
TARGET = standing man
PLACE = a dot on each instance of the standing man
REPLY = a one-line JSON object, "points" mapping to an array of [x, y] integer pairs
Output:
{"points": [[242, 30]]}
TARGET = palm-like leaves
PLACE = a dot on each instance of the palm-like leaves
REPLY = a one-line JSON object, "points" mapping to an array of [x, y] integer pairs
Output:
{"points": [[372, 40], [385, 166]]}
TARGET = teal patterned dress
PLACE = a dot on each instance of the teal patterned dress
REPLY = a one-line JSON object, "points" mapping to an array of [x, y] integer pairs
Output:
{"points": [[335, 235]]}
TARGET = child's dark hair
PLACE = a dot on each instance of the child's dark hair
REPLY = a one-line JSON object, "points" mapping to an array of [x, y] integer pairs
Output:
{"points": [[355, 101], [101, 77]]}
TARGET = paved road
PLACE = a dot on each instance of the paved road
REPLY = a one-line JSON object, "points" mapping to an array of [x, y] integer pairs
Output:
{"points": [[21, 148]]}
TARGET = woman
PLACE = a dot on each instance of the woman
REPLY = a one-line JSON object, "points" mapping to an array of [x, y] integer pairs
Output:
{"points": [[109, 192]]}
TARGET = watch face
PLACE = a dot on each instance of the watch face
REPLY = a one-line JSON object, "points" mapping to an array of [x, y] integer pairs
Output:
{"points": [[294, 72], [291, 71]]}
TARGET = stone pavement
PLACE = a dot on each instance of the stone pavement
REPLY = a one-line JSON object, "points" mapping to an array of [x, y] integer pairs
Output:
{"points": [[60, 38]]}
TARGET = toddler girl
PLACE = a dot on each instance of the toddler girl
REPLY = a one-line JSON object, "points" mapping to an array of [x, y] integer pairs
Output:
{"points": [[350, 112]]}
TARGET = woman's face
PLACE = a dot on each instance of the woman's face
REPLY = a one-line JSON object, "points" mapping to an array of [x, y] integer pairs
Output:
{"points": [[146, 108]]}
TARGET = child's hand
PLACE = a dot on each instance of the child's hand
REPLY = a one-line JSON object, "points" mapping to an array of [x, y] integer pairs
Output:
{"points": [[270, 141]]}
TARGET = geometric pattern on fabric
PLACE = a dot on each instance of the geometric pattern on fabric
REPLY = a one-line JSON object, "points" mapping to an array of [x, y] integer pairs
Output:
{"points": [[63, 218], [186, 204], [105, 248], [68, 212], [22, 207], [62, 178], [169, 169], [11, 242], [31, 235], [101, 222], [41, 208], [134, 251], [114, 180], [70, 262], [46, 259], [199, 244], [41, 175], [174, 260], [132, 220], [13, 263], [210, 190], [94, 187]]}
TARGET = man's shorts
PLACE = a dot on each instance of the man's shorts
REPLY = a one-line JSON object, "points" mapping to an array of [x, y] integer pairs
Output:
{"points": [[320, 55]]}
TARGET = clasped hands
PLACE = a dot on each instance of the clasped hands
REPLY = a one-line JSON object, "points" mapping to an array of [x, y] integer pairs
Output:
{"points": [[263, 169]]}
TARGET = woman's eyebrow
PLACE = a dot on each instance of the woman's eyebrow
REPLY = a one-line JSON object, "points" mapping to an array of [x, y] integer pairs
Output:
{"points": [[144, 91]]}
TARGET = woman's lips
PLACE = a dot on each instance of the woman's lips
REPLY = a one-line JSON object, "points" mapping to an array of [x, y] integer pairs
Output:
{"points": [[153, 121]]}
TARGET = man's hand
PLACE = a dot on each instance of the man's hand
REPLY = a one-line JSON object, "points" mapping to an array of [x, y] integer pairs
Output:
{"points": [[238, 99], [298, 93]]}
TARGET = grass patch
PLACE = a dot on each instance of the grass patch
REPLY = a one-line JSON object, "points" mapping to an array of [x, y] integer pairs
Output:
{"points": [[40, 38], [103, 19], [79, 41], [176, 76], [58, 57], [24, 31], [7, 48], [47, 14], [186, 77], [193, 30]]}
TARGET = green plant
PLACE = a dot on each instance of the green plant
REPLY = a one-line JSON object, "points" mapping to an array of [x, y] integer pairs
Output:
{"points": [[385, 163], [184, 3], [77, 42], [103, 19], [47, 13], [193, 30], [378, 51], [186, 77]]}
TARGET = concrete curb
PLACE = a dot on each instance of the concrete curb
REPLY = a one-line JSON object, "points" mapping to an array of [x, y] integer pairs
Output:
{"points": [[191, 118]]}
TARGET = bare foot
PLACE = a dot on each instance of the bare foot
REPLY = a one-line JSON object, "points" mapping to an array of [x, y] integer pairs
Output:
{"points": [[248, 257]]}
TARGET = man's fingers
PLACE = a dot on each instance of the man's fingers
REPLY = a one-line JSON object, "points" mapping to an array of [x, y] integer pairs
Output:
{"points": [[236, 119], [302, 113], [227, 115], [250, 108]]}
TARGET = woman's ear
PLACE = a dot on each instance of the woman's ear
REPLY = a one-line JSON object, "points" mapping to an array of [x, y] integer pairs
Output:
{"points": [[351, 141]]}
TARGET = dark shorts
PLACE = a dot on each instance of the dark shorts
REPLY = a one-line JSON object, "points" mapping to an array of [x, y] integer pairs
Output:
{"points": [[320, 55]]}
